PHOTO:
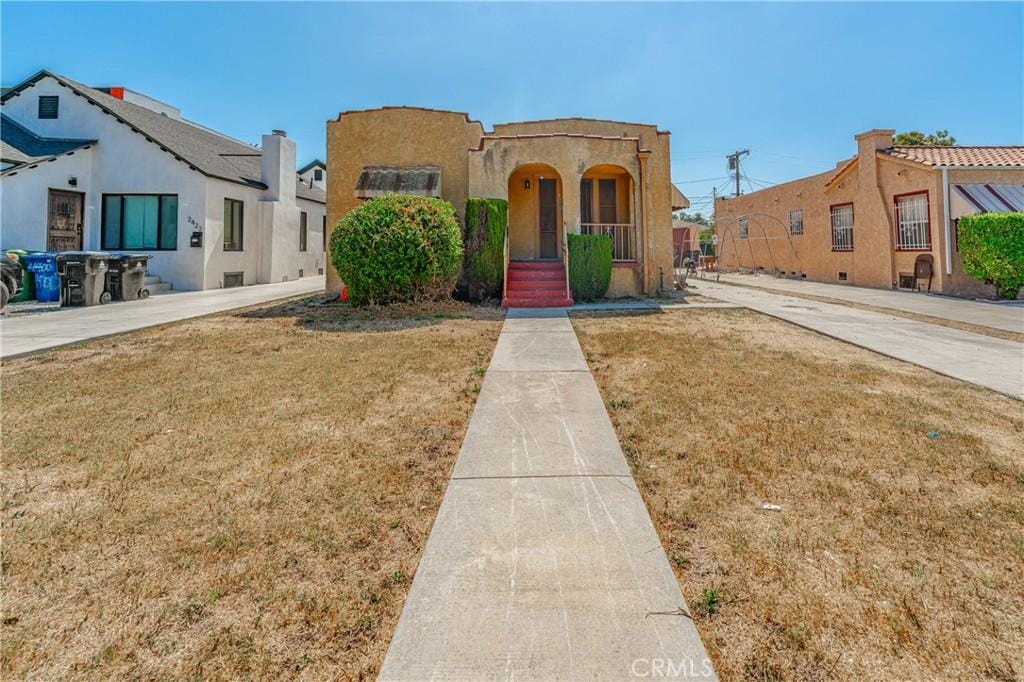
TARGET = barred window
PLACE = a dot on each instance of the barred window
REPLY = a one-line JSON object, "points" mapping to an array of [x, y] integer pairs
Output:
{"points": [[842, 227], [744, 228], [912, 229], [796, 221]]}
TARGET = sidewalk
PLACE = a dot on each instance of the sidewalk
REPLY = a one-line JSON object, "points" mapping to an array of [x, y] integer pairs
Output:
{"points": [[34, 333], [1002, 316], [542, 562], [983, 360]]}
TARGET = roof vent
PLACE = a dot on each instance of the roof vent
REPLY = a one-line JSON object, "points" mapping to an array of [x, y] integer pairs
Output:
{"points": [[279, 133]]}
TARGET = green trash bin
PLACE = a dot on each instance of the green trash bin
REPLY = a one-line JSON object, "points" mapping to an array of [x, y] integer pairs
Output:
{"points": [[28, 280]]}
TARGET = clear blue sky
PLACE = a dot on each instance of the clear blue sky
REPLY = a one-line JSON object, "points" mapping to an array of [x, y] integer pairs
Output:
{"points": [[792, 82]]}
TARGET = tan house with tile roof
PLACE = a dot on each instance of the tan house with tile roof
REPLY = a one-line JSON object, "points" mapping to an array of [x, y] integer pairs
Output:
{"points": [[559, 176], [869, 220]]}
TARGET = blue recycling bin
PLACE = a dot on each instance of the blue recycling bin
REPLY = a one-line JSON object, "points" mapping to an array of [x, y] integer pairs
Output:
{"points": [[44, 267]]}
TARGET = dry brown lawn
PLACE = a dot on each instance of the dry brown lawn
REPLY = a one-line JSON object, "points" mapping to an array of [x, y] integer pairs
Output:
{"points": [[896, 554], [244, 495]]}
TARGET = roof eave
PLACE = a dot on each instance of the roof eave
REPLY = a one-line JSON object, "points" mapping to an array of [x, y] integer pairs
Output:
{"points": [[29, 165], [16, 90]]}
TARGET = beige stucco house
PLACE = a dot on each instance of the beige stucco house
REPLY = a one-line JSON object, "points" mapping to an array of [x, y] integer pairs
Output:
{"points": [[867, 221], [559, 176]]}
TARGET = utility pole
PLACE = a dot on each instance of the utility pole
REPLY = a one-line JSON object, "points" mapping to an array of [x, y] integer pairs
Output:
{"points": [[734, 165]]}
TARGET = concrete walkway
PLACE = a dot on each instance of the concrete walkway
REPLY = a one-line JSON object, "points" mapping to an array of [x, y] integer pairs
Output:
{"points": [[983, 360], [34, 333], [543, 563], [1008, 317]]}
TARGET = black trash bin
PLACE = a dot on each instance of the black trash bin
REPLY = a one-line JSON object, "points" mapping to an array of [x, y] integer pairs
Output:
{"points": [[126, 277], [82, 277]]}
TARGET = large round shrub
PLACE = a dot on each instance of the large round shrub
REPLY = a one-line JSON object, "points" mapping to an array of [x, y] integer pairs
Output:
{"points": [[398, 248]]}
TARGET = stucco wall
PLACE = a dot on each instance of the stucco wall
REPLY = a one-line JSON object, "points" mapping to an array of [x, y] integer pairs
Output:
{"points": [[24, 198], [476, 165], [124, 162], [872, 188], [653, 215], [396, 136], [314, 259], [499, 167], [217, 261], [771, 246]]}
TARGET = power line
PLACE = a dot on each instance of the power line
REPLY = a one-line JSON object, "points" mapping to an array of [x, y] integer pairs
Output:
{"points": [[688, 182]]}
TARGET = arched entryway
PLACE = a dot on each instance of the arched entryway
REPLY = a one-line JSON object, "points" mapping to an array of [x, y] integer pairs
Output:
{"points": [[607, 207], [535, 221]]}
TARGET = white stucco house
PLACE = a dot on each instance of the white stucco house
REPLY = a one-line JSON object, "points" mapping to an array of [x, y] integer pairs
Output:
{"points": [[112, 169]]}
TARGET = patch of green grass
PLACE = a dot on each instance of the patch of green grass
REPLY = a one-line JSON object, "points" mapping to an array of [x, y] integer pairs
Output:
{"points": [[709, 600], [680, 561]]}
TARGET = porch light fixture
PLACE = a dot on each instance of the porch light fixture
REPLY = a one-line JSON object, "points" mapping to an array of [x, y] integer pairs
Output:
{"points": [[73, 181], [526, 184]]}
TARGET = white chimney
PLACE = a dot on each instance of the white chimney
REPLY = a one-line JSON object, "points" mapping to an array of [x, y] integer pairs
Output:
{"points": [[277, 167]]}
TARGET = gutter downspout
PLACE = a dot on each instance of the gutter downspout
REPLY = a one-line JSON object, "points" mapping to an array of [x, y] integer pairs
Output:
{"points": [[945, 219]]}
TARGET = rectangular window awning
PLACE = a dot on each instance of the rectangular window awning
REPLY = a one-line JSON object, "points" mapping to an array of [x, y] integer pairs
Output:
{"points": [[421, 181], [993, 198]]}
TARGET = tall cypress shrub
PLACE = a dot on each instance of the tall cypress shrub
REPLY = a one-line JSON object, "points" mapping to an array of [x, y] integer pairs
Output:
{"points": [[483, 237], [590, 265]]}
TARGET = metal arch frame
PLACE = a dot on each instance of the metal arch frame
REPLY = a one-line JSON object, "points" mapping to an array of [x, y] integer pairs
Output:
{"points": [[765, 238]]}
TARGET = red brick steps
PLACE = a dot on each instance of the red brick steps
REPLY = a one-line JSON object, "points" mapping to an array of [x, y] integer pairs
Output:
{"points": [[536, 284]]}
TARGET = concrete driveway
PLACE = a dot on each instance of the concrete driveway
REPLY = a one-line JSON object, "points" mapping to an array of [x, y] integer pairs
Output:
{"points": [[34, 333], [1008, 317], [987, 361]]}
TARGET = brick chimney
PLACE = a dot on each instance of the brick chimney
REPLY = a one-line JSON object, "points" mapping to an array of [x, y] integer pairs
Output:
{"points": [[277, 167]]}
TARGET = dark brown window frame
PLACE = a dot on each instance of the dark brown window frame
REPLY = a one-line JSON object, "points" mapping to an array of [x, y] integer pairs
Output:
{"points": [[602, 185], [928, 218], [241, 226], [303, 232], [832, 227]]}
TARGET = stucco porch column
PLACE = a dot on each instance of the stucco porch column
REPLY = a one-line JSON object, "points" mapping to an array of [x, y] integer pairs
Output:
{"points": [[570, 202], [646, 251]]}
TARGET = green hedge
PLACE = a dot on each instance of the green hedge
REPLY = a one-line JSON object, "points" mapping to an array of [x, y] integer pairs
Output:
{"points": [[590, 265], [398, 248], [483, 238], [992, 249]]}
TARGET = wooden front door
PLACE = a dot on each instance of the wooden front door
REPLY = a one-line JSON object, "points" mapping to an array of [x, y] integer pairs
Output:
{"points": [[64, 221], [548, 218]]}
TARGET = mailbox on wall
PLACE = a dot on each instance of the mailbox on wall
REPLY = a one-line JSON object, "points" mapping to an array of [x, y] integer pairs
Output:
{"points": [[196, 239]]}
